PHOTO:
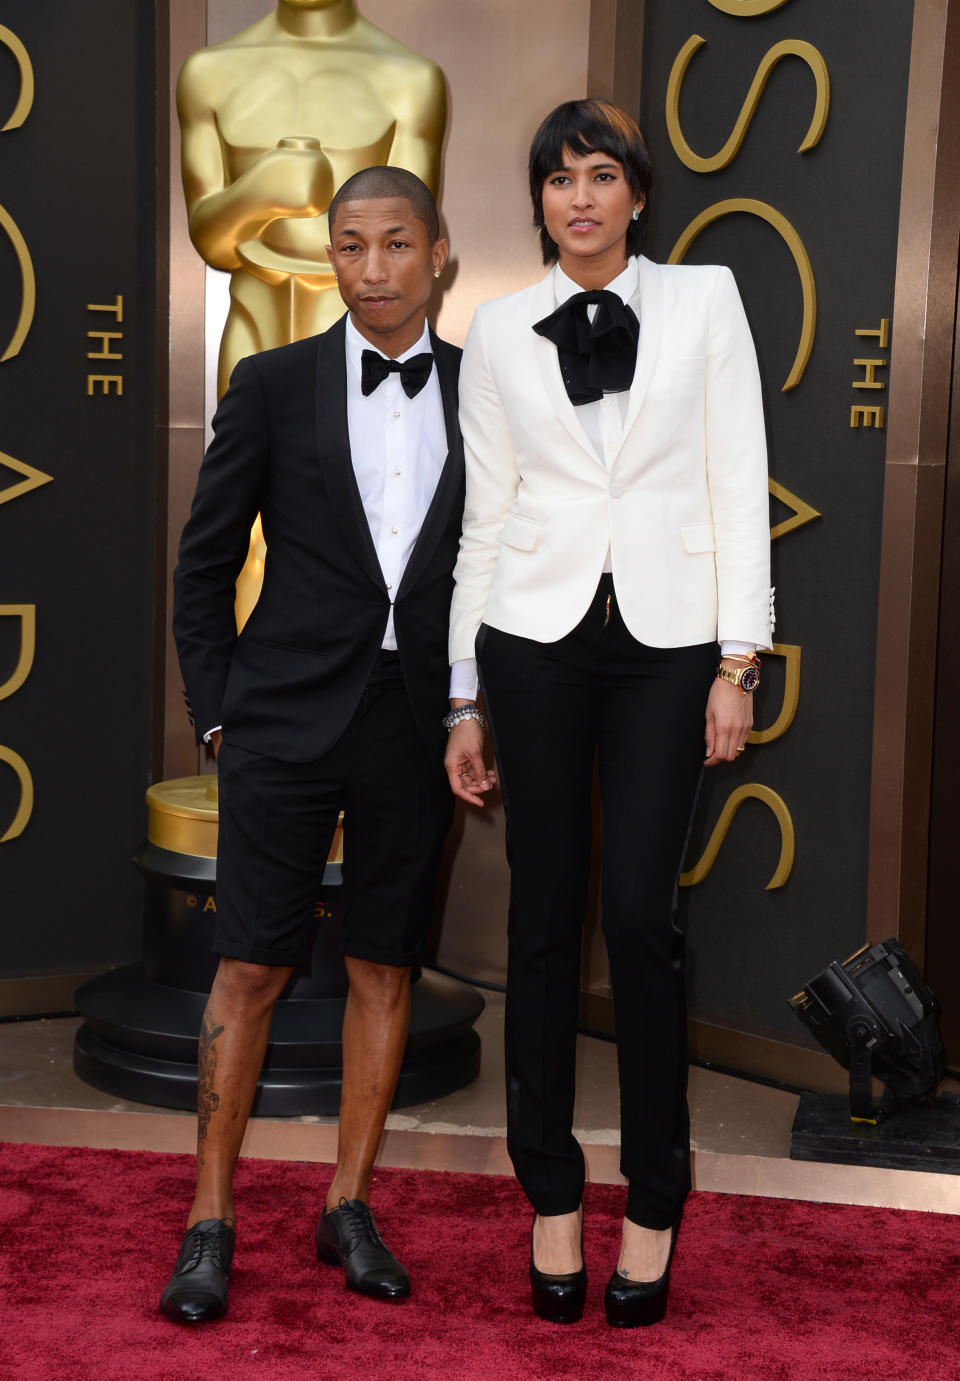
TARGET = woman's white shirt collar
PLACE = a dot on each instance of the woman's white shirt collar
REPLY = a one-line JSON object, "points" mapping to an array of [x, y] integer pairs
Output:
{"points": [[624, 285]]}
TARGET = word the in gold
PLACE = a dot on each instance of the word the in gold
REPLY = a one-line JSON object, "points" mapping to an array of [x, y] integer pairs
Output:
{"points": [[106, 383], [866, 414]]}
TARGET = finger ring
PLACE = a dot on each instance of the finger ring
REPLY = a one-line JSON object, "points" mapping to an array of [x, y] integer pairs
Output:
{"points": [[740, 750]]}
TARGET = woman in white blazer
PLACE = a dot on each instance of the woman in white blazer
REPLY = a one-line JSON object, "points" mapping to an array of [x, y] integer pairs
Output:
{"points": [[616, 527]]}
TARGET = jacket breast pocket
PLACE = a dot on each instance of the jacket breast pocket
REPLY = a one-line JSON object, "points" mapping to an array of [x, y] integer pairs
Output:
{"points": [[520, 532], [678, 376], [698, 537]]}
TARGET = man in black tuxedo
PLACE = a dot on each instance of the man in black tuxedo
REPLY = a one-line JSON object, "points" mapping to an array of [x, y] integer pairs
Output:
{"points": [[331, 697]]}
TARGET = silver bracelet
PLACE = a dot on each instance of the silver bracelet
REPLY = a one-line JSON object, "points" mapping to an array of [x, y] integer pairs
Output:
{"points": [[462, 712]]}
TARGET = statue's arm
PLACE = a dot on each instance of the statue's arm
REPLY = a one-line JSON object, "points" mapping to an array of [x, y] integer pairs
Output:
{"points": [[281, 182], [421, 115]]}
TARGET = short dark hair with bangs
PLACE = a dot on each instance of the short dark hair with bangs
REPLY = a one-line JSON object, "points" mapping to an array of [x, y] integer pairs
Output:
{"points": [[585, 127]]}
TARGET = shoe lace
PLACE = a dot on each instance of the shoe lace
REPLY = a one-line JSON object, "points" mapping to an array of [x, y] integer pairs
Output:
{"points": [[205, 1242], [358, 1224]]}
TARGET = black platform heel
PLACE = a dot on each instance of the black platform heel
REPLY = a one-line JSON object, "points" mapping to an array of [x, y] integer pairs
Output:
{"points": [[638, 1303], [558, 1299]]}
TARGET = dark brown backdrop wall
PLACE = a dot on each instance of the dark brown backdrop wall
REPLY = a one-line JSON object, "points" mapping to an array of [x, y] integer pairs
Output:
{"points": [[77, 173], [812, 239]]}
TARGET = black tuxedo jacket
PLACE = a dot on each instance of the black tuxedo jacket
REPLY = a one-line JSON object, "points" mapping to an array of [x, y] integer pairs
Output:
{"points": [[288, 685]]}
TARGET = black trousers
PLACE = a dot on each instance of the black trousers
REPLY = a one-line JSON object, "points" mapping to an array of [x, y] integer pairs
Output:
{"points": [[553, 707]]}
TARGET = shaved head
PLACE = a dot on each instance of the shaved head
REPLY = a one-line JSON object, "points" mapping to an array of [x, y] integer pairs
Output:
{"points": [[380, 183]]}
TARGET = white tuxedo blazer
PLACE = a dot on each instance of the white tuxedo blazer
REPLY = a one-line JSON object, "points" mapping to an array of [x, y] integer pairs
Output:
{"points": [[682, 508]]}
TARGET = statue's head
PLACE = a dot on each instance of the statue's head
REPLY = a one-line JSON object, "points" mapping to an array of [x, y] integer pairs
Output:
{"points": [[309, 4]]}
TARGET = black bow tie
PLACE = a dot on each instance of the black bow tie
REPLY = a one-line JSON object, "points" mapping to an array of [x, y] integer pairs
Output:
{"points": [[596, 357], [414, 373]]}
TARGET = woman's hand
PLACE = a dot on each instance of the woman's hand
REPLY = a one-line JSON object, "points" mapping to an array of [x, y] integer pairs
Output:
{"points": [[463, 760], [729, 721]]}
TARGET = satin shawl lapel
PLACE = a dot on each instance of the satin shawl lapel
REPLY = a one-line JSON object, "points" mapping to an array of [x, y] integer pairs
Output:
{"points": [[651, 324], [450, 483], [542, 303], [333, 448]]}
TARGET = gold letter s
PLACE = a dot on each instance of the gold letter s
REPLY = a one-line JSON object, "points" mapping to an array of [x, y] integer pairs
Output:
{"points": [[790, 47], [25, 100], [736, 799]]}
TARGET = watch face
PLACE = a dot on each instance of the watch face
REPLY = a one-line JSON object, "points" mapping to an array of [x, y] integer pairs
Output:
{"points": [[750, 678]]}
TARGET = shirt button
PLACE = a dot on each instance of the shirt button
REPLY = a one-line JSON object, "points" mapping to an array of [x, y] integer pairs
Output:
{"points": [[396, 472], [617, 491], [394, 531], [389, 587], [396, 414]]}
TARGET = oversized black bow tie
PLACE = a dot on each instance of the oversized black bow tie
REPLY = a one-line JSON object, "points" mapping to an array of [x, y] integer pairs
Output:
{"points": [[414, 373], [596, 357]]}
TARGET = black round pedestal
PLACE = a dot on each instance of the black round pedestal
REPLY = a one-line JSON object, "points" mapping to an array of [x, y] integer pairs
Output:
{"points": [[141, 1022]]}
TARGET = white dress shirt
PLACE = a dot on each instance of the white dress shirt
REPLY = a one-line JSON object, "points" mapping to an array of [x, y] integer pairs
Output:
{"points": [[398, 446], [603, 422]]}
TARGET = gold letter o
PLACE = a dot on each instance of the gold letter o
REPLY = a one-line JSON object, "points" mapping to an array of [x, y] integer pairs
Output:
{"points": [[25, 808]]}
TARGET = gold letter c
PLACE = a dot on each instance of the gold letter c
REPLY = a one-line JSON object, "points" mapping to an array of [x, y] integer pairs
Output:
{"points": [[28, 298], [801, 258]]}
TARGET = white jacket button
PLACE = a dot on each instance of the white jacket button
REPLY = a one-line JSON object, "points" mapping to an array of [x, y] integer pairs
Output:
{"points": [[617, 491]]}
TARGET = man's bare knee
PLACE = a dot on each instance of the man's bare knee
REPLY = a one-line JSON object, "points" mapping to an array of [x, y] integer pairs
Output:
{"points": [[380, 983], [250, 984]]}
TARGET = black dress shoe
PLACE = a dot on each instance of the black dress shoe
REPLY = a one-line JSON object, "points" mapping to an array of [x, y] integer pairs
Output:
{"points": [[347, 1236], [558, 1299], [637, 1303], [197, 1290]]}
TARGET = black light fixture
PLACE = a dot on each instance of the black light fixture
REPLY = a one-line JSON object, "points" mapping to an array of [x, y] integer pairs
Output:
{"points": [[876, 1015]]}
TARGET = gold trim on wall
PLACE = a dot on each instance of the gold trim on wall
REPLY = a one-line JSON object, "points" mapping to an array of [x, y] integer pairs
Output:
{"points": [[181, 29], [746, 1051], [34, 997], [920, 379], [616, 51]]}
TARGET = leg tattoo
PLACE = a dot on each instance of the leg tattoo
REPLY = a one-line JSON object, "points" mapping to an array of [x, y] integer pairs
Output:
{"points": [[208, 1100]]}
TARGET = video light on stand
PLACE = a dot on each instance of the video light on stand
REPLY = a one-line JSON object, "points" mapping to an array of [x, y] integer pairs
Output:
{"points": [[876, 1015]]}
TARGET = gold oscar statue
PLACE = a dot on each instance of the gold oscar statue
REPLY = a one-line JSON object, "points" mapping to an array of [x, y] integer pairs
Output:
{"points": [[274, 119]]}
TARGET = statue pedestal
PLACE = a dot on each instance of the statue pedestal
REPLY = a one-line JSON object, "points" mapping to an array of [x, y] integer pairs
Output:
{"points": [[141, 1022]]}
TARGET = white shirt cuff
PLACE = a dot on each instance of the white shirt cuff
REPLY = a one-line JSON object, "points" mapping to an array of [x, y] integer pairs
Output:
{"points": [[210, 732], [463, 679], [729, 648]]}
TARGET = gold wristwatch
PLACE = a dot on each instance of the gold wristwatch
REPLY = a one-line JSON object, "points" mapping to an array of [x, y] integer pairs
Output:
{"points": [[745, 678]]}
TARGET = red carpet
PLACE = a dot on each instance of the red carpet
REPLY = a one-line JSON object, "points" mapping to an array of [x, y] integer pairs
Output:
{"points": [[762, 1289]]}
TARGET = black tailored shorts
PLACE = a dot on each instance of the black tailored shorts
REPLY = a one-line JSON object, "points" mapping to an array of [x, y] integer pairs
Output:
{"points": [[277, 821]]}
